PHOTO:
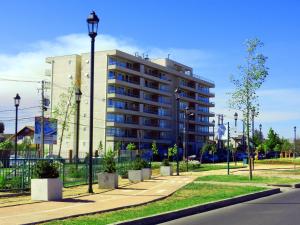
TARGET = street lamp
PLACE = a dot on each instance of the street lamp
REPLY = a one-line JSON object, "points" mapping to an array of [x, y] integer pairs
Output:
{"points": [[17, 103], [235, 125], [253, 147], [295, 137], [185, 134], [260, 134], [92, 22], [177, 136], [214, 123], [77, 98]]}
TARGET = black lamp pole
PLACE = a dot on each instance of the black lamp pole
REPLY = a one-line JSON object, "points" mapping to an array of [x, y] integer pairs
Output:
{"points": [[235, 125], [295, 137], [78, 98], [177, 97], [214, 123], [253, 147], [228, 149], [260, 134], [92, 22], [17, 103]]}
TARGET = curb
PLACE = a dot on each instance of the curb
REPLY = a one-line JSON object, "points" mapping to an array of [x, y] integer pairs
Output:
{"points": [[164, 217], [297, 185]]}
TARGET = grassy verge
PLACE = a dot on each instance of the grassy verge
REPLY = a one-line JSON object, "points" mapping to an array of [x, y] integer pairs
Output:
{"points": [[245, 179], [196, 167], [279, 161], [190, 195]]}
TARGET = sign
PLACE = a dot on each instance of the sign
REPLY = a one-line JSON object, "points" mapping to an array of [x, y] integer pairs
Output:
{"points": [[221, 131], [50, 131]]}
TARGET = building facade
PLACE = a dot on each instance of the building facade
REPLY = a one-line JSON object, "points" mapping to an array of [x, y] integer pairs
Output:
{"points": [[134, 101]]}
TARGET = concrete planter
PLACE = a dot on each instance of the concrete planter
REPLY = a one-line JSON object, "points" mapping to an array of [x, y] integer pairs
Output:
{"points": [[166, 171], [46, 189], [135, 176], [107, 180], [147, 172]]}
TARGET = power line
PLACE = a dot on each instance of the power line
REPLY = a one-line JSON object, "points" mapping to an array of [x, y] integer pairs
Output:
{"points": [[19, 80], [12, 110]]}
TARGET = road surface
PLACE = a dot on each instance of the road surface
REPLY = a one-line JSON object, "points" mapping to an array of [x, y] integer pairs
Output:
{"points": [[280, 209]]}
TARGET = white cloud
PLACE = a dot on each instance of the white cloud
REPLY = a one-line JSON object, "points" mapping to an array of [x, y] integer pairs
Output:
{"points": [[30, 64]]}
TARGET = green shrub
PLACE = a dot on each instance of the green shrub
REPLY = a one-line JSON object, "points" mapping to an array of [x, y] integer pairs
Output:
{"points": [[137, 164], [15, 182], [109, 162], [45, 169], [72, 172], [165, 162], [145, 164]]}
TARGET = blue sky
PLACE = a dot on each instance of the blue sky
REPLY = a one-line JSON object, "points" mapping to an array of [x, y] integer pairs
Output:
{"points": [[207, 35]]}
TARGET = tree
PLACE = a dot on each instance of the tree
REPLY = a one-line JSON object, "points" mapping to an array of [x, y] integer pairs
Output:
{"points": [[251, 77], [205, 148], [63, 111], [257, 138], [117, 147], [272, 140], [131, 147], [154, 148], [172, 151], [213, 150]]}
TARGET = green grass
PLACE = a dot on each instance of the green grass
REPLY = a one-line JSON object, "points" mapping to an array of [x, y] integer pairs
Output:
{"points": [[197, 167], [279, 161], [245, 179], [192, 194]]}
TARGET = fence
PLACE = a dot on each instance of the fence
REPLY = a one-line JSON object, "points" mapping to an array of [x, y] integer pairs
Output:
{"points": [[15, 174]]}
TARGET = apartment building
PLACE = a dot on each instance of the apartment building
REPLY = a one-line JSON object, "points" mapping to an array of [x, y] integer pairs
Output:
{"points": [[134, 100]]}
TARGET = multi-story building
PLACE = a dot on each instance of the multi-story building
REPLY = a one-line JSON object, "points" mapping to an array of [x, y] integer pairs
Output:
{"points": [[134, 100]]}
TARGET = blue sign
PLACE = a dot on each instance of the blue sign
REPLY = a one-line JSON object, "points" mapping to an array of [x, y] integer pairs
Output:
{"points": [[50, 131]]}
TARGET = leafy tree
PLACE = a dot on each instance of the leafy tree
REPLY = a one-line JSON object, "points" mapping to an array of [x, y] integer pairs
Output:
{"points": [[100, 146], [205, 148], [172, 151], [257, 138], [109, 161], [272, 140], [6, 145], [117, 147], [131, 147], [154, 148], [251, 77], [63, 111]]}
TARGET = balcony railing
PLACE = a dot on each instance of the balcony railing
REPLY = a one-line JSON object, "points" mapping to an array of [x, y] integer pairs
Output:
{"points": [[131, 81], [113, 91]]}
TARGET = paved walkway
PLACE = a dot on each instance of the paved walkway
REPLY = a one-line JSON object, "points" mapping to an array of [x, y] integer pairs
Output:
{"points": [[134, 194]]}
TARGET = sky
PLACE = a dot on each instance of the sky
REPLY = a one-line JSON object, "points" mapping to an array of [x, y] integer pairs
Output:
{"points": [[205, 34]]}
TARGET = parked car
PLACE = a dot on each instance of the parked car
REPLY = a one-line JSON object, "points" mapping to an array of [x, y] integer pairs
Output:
{"points": [[207, 158]]}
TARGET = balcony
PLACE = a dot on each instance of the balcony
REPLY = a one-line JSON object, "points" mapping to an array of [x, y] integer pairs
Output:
{"points": [[124, 64], [131, 80], [125, 93]]}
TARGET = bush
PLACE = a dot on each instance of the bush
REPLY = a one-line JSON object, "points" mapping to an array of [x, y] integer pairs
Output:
{"points": [[72, 172], [137, 164], [145, 164], [165, 162], [109, 162], [45, 169]]}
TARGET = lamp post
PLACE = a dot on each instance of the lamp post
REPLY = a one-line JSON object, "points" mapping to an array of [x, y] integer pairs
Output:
{"points": [[260, 134], [253, 147], [235, 125], [78, 98], [92, 22], [295, 137], [214, 123], [177, 136], [17, 103], [185, 135], [228, 149]]}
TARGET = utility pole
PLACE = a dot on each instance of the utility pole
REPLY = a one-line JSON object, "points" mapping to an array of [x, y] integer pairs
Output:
{"points": [[42, 120], [295, 137], [228, 149]]}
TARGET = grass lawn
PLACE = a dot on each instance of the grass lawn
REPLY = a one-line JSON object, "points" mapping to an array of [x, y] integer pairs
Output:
{"points": [[197, 167], [245, 179], [190, 195], [279, 161]]}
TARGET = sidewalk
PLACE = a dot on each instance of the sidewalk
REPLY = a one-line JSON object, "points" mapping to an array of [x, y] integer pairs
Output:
{"points": [[130, 195]]}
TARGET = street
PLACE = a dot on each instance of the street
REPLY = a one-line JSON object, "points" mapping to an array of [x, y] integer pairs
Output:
{"points": [[279, 209]]}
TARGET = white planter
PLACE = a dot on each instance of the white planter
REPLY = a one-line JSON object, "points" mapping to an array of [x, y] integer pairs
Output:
{"points": [[107, 180], [147, 172], [135, 175], [166, 171], [46, 189]]}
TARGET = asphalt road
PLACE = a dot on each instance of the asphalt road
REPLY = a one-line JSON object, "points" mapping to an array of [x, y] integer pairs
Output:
{"points": [[279, 209]]}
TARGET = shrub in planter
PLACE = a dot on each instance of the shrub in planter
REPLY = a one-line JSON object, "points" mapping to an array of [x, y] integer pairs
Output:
{"points": [[166, 168], [135, 174], [146, 170], [109, 178], [46, 184]]}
